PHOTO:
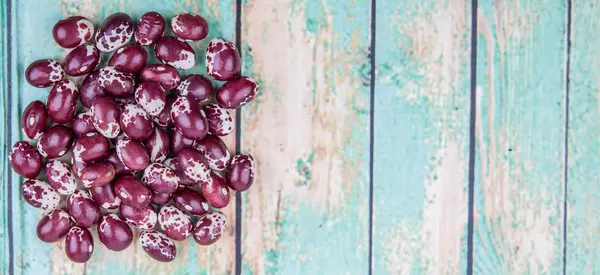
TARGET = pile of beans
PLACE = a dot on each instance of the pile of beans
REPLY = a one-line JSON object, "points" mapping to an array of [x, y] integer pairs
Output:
{"points": [[132, 143]]}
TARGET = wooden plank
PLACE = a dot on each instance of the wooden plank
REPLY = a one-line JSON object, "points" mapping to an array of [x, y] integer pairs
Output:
{"points": [[4, 139], [307, 212], [520, 133], [421, 137], [31, 255], [583, 183]]}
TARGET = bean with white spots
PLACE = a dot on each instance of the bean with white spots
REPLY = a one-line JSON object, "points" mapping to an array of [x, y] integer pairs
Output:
{"points": [[97, 174], [129, 59], [135, 122], [183, 179], [82, 60], [83, 124], [151, 96], [197, 87], [91, 147], [34, 119], [82, 208], [115, 83], [237, 92], [193, 164], [61, 177], [53, 226], [132, 192], [215, 191], [190, 202], [90, 89], [55, 142], [44, 72], [114, 32], [189, 26], [40, 194], [105, 196], [72, 31], [105, 114], [189, 119], [79, 244], [167, 76], [215, 151], [223, 60], [160, 178], [133, 154], [114, 233], [158, 246], [77, 166], [62, 101], [142, 218], [174, 223], [220, 122], [150, 27], [240, 172], [25, 159], [177, 53], [210, 228]]}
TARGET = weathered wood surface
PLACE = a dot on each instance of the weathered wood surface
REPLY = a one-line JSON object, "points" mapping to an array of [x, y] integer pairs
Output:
{"points": [[520, 134], [583, 182], [4, 146], [421, 137], [309, 129]]}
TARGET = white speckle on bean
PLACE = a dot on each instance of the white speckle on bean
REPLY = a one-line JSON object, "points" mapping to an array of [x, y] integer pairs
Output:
{"points": [[186, 61]]}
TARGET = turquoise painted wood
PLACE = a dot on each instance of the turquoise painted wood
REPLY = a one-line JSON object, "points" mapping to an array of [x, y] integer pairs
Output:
{"points": [[421, 137], [4, 149], [308, 212], [308, 130], [30, 255], [583, 188], [519, 157]]}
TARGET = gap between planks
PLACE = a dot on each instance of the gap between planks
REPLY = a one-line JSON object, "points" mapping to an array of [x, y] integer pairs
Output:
{"points": [[238, 147], [372, 52], [472, 125]]}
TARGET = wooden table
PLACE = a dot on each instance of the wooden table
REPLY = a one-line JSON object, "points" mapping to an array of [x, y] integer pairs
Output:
{"points": [[392, 137]]}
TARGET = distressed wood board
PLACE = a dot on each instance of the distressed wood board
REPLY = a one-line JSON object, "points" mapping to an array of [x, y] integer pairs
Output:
{"points": [[376, 122], [311, 59], [583, 188], [421, 137], [520, 116]]}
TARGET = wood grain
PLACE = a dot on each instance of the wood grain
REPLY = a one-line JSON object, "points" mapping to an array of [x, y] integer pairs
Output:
{"points": [[31, 255], [583, 183], [421, 137], [519, 137], [307, 212], [4, 140]]}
